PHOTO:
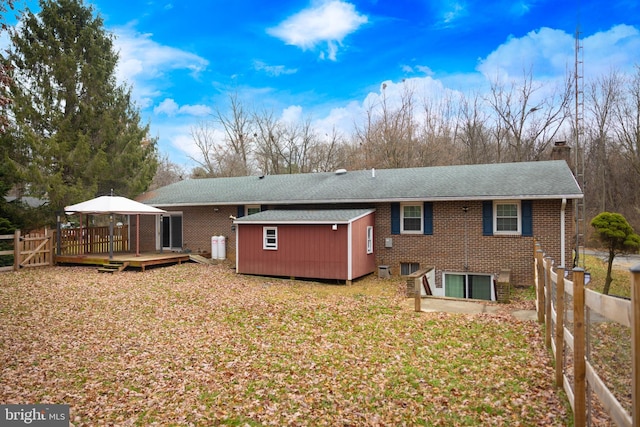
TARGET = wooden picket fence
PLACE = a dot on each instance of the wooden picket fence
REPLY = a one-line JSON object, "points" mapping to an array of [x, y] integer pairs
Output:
{"points": [[574, 317], [34, 249]]}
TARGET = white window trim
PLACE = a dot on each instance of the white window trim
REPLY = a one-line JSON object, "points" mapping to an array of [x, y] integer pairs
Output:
{"points": [[369, 239], [495, 218], [268, 246], [491, 276], [402, 230], [247, 207]]}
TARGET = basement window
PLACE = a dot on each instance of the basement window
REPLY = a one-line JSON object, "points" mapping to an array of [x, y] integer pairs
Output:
{"points": [[270, 238], [406, 268], [469, 286]]}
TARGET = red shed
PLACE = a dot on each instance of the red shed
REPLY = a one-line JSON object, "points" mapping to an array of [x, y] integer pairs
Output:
{"points": [[315, 244]]}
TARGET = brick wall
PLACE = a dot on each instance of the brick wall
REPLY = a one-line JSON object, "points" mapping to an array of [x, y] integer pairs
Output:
{"points": [[457, 243], [199, 224]]}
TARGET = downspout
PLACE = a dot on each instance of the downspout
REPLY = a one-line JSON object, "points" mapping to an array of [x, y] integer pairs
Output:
{"points": [[349, 252], [562, 231], [237, 232]]}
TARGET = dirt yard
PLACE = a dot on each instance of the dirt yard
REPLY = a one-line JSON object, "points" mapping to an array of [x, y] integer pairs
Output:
{"points": [[198, 345]]}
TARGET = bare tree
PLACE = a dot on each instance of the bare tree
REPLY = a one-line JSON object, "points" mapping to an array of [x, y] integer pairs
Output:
{"points": [[225, 144], [332, 154], [238, 128], [204, 138], [531, 121], [387, 137], [436, 140], [299, 140], [602, 96], [167, 173], [473, 134], [628, 119], [268, 137]]}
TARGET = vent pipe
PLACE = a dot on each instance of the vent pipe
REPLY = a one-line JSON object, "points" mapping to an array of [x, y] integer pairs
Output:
{"points": [[373, 172]]}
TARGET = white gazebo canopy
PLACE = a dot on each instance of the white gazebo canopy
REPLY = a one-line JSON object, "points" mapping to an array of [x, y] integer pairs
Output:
{"points": [[113, 205], [109, 205]]}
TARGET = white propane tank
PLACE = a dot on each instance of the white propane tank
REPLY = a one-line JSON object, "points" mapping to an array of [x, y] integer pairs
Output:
{"points": [[214, 247], [222, 252]]}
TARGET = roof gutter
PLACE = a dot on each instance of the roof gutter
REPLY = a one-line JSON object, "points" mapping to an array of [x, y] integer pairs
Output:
{"points": [[398, 199]]}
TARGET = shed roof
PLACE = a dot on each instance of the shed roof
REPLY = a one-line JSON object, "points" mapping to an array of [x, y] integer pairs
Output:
{"points": [[328, 216], [524, 180]]}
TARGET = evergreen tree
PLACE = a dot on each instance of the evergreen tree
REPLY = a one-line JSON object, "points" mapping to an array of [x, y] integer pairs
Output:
{"points": [[617, 236], [5, 78], [82, 133]]}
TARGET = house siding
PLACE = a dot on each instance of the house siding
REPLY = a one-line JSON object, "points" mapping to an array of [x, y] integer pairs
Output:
{"points": [[362, 263], [312, 251], [199, 224], [486, 254], [444, 249]]}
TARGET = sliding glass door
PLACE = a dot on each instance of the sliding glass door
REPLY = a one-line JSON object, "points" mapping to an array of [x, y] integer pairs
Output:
{"points": [[172, 232]]}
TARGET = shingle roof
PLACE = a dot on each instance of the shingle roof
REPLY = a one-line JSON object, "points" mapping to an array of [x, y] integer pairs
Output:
{"points": [[341, 216], [526, 180]]}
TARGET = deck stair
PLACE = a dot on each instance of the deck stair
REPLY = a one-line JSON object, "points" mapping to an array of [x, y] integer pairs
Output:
{"points": [[113, 267], [200, 259]]}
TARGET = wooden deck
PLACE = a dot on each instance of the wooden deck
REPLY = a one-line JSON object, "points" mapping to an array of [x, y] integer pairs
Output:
{"points": [[141, 261]]}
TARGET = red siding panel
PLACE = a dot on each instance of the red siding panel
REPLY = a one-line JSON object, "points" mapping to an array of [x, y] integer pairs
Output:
{"points": [[312, 251], [362, 263]]}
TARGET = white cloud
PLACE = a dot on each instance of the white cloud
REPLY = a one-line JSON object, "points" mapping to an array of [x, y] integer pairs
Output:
{"points": [[292, 114], [325, 22], [273, 70], [341, 119], [545, 52], [615, 49], [143, 63], [170, 108], [197, 110], [178, 142], [423, 69], [453, 10], [549, 54]]}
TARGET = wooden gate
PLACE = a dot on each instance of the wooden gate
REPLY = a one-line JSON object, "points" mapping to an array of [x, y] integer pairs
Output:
{"points": [[31, 250]]}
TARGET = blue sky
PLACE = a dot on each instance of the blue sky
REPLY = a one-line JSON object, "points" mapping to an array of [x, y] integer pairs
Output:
{"points": [[324, 60]]}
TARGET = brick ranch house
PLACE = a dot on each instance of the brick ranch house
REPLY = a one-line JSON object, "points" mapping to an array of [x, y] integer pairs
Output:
{"points": [[468, 222]]}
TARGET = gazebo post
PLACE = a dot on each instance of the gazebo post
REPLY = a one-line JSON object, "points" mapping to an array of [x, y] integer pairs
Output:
{"points": [[110, 236], [138, 235], [80, 236]]}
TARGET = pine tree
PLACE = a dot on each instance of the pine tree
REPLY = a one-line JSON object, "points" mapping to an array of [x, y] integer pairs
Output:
{"points": [[82, 130]]}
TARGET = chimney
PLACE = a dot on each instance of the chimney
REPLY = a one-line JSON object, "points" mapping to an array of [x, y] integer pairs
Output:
{"points": [[561, 151]]}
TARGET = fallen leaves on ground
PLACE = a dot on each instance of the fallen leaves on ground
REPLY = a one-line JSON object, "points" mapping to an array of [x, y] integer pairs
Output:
{"points": [[199, 345]]}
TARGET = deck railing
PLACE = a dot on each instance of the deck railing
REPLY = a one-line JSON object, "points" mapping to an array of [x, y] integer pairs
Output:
{"points": [[93, 240], [595, 340]]}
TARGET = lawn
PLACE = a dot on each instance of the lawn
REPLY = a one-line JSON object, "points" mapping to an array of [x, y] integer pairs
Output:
{"points": [[198, 345], [610, 342]]}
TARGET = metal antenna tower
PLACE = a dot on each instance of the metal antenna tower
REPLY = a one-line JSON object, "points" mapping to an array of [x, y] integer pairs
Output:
{"points": [[579, 204]]}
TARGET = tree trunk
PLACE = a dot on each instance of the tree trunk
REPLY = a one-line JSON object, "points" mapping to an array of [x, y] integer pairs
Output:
{"points": [[609, 279]]}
